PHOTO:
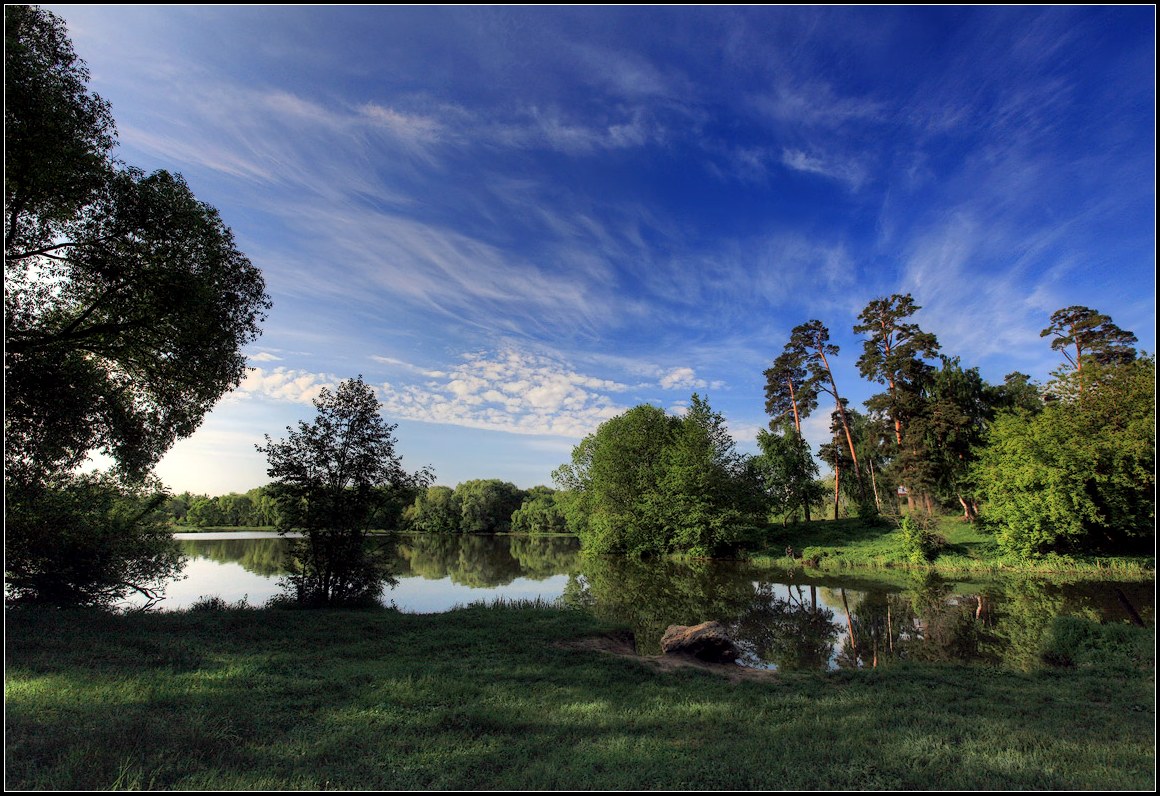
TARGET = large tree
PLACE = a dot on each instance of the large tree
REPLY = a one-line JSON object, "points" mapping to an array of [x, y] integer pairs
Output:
{"points": [[649, 483], [329, 478], [127, 304], [892, 354], [126, 309], [1080, 333], [1080, 475], [789, 390], [813, 338]]}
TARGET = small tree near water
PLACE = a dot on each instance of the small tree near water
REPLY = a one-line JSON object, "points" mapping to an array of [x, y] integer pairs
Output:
{"points": [[332, 479]]}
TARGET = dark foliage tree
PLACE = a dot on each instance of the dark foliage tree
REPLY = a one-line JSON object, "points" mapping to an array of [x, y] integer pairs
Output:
{"points": [[1018, 393], [126, 303], [328, 478], [949, 431], [789, 390], [813, 338], [892, 353], [125, 298], [1081, 332]]}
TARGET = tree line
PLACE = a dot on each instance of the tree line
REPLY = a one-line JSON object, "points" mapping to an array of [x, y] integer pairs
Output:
{"points": [[477, 506], [1065, 467]]}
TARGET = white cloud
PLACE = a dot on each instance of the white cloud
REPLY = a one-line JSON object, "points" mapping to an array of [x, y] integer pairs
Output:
{"points": [[264, 356], [297, 386], [509, 391], [846, 171]]}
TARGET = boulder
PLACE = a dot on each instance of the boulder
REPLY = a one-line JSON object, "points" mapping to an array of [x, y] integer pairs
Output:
{"points": [[706, 641]]}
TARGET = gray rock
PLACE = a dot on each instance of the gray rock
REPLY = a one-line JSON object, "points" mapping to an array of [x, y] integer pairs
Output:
{"points": [[706, 641]]}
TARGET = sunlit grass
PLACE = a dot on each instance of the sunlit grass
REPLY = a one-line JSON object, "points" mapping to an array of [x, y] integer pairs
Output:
{"points": [[846, 544], [487, 698]]}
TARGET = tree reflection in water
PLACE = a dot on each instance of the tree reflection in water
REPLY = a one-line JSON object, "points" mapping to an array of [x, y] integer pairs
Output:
{"points": [[785, 619]]}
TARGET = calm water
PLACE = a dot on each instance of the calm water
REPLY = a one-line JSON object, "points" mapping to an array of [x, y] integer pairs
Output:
{"points": [[779, 618]]}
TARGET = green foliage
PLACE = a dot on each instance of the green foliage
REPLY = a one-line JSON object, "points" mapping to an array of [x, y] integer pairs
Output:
{"points": [[487, 505], [648, 483], [540, 513], [86, 540], [1080, 475], [920, 544], [329, 478], [788, 472], [435, 510]]}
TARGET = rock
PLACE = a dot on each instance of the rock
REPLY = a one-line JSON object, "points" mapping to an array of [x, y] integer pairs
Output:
{"points": [[706, 641]]}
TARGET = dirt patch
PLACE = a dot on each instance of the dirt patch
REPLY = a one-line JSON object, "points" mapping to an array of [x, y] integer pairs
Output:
{"points": [[624, 645]]}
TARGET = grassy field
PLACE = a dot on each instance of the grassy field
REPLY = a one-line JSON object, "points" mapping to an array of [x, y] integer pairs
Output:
{"points": [[500, 698], [834, 545]]}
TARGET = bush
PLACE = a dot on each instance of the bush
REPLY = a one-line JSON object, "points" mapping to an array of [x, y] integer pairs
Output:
{"points": [[920, 544]]}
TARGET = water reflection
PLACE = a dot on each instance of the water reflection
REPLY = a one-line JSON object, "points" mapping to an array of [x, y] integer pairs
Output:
{"points": [[781, 619]]}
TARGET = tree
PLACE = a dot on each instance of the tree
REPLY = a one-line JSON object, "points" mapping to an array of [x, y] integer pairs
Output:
{"points": [[86, 540], [788, 387], [790, 390], [435, 510], [1090, 334], [487, 505], [126, 308], [126, 302], [328, 479], [648, 483], [892, 354], [788, 471], [540, 513], [949, 432], [704, 494], [1080, 474], [814, 338]]}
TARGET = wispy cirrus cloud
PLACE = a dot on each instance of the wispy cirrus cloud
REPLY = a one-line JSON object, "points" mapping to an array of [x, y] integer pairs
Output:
{"points": [[843, 170]]}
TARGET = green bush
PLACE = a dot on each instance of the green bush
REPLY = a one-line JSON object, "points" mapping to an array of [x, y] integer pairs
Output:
{"points": [[920, 544]]}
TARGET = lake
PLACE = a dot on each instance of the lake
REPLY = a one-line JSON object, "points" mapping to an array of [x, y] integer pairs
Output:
{"points": [[779, 618]]}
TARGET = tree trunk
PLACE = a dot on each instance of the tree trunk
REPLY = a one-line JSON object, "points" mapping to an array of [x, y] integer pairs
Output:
{"points": [[837, 470], [850, 626], [969, 513]]}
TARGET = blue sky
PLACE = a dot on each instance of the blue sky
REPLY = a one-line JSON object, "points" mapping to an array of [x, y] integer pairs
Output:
{"points": [[518, 222]]}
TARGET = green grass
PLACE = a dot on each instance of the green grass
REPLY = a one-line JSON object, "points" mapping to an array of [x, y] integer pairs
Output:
{"points": [[832, 545], [488, 698]]}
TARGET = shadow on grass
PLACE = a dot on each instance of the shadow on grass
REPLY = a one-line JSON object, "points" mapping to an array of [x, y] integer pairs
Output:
{"points": [[486, 698]]}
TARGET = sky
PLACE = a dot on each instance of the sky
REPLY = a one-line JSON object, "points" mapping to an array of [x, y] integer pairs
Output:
{"points": [[516, 223]]}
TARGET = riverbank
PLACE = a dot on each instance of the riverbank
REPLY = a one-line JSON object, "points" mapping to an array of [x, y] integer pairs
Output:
{"points": [[840, 545], [505, 698]]}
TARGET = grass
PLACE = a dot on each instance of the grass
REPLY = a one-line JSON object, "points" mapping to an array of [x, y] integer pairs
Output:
{"points": [[489, 698], [832, 545]]}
